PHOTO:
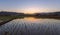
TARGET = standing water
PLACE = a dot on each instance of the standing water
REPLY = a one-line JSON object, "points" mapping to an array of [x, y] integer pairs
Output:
{"points": [[31, 26]]}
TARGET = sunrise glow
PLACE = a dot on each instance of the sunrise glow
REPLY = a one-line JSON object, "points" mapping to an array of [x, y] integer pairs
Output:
{"points": [[30, 6]]}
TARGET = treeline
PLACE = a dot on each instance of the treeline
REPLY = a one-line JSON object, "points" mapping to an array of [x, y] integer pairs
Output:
{"points": [[10, 13], [22, 14], [48, 14]]}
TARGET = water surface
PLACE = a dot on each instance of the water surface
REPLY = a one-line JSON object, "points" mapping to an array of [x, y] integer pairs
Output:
{"points": [[31, 26]]}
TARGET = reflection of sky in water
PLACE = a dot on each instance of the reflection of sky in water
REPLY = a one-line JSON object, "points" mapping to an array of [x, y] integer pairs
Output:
{"points": [[37, 20], [31, 26]]}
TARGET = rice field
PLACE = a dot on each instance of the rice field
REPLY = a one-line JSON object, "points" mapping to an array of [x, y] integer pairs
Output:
{"points": [[30, 26]]}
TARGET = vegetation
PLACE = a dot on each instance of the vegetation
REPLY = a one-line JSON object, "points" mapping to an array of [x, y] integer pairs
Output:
{"points": [[5, 19]]}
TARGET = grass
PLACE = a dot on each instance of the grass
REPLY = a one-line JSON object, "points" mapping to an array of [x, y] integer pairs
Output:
{"points": [[5, 19]]}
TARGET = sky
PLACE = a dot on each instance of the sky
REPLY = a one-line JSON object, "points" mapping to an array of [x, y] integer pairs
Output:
{"points": [[30, 6]]}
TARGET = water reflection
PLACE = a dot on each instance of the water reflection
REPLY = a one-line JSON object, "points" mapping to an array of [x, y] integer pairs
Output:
{"points": [[31, 20], [31, 26]]}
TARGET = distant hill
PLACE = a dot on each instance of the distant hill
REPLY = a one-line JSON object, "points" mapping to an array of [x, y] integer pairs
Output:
{"points": [[10, 13], [48, 14]]}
